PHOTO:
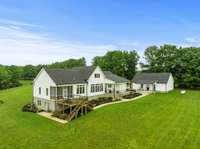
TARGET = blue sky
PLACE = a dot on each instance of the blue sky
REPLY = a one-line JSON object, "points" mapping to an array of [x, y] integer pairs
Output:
{"points": [[41, 31]]}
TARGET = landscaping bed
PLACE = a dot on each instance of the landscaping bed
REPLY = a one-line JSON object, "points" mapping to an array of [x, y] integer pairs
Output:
{"points": [[30, 107], [102, 100], [132, 95]]}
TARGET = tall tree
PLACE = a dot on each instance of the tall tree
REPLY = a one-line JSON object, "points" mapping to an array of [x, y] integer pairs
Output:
{"points": [[122, 63], [29, 72], [4, 78], [183, 63], [69, 63], [15, 74]]}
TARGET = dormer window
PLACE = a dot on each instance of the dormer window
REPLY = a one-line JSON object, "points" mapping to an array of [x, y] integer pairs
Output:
{"points": [[97, 75]]}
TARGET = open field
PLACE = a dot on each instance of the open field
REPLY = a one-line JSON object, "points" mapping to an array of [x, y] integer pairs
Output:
{"points": [[156, 121]]}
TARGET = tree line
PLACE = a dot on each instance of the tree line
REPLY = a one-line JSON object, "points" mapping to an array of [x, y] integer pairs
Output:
{"points": [[10, 76], [183, 63]]}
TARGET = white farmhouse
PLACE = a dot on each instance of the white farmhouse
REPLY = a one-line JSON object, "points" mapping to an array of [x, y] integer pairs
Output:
{"points": [[51, 85], [160, 82]]}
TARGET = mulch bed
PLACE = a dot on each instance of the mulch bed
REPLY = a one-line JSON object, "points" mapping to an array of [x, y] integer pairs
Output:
{"points": [[130, 96], [30, 107], [102, 100]]}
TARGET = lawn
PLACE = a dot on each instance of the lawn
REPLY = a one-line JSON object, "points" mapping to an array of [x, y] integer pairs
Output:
{"points": [[155, 121]]}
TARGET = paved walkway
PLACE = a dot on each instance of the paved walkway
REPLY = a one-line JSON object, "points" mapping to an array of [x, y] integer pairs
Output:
{"points": [[49, 115]]}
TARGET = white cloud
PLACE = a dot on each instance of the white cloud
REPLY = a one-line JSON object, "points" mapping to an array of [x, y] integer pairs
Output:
{"points": [[17, 23], [20, 46], [191, 40]]}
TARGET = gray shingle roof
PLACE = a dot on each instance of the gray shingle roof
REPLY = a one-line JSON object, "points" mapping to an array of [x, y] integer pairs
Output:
{"points": [[147, 78], [70, 76], [109, 75]]}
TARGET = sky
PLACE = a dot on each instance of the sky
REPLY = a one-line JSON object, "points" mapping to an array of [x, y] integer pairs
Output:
{"points": [[46, 31]]}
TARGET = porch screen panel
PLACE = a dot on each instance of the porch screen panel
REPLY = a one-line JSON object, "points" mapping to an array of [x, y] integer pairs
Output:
{"points": [[59, 92], [53, 92]]}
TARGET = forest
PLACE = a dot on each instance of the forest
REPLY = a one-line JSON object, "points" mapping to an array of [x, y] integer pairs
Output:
{"points": [[182, 62]]}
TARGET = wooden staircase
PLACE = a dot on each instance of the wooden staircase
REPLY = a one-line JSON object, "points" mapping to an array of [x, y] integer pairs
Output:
{"points": [[82, 105]]}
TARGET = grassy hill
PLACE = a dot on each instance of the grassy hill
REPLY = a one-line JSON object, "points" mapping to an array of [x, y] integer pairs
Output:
{"points": [[156, 121]]}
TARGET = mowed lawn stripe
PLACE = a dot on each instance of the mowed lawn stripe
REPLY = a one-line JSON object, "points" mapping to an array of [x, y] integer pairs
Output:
{"points": [[159, 120]]}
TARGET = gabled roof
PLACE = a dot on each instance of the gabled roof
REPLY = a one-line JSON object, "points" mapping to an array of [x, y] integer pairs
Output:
{"points": [[117, 79], [147, 78], [70, 76]]}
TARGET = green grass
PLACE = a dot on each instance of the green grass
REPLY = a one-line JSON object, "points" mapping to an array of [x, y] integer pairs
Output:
{"points": [[157, 121], [25, 82]]}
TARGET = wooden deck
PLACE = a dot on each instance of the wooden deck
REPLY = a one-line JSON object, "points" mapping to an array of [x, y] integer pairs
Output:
{"points": [[76, 107]]}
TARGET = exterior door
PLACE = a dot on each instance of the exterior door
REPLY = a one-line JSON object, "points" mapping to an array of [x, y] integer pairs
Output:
{"points": [[68, 92], [147, 87], [154, 87]]}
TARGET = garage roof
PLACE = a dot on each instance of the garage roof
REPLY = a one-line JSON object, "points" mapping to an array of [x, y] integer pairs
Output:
{"points": [[148, 78]]}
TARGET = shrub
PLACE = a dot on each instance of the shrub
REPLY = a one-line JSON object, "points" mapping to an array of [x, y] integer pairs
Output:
{"points": [[63, 116], [30, 107], [117, 99], [57, 113]]}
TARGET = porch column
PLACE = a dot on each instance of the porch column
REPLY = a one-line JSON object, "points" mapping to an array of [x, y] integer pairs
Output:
{"points": [[114, 91]]}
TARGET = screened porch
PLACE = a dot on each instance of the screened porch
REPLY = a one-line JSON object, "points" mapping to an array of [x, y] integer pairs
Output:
{"points": [[65, 92]]}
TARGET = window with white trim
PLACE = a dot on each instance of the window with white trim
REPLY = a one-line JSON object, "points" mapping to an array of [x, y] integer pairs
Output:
{"points": [[40, 91], [96, 88], [47, 92], [97, 75], [80, 89]]}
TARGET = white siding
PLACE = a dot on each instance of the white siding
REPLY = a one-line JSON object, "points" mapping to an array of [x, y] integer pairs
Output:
{"points": [[161, 87], [93, 80], [170, 83], [121, 87], [42, 81], [136, 86], [169, 86]]}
